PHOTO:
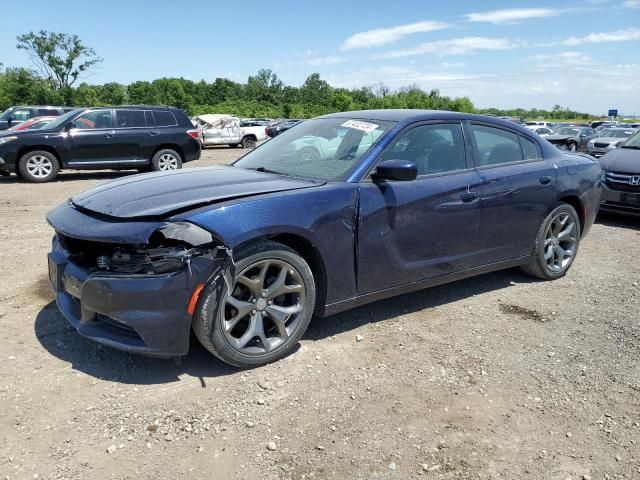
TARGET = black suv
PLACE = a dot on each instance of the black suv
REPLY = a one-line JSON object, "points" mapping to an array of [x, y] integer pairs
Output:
{"points": [[15, 115], [141, 137]]}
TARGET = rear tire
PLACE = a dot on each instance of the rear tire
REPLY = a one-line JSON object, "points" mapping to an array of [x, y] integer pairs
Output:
{"points": [[556, 244], [248, 142], [251, 334], [38, 166], [165, 160]]}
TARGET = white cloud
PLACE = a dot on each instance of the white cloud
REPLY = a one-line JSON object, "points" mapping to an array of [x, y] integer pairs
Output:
{"points": [[454, 46], [631, 4], [384, 36], [561, 59], [325, 61], [453, 64], [603, 37], [513, 15]]}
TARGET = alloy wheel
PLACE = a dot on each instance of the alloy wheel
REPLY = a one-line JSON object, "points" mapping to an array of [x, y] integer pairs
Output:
{"points": [[39, 166], [167, 162], [560, 242], [264, 308]]}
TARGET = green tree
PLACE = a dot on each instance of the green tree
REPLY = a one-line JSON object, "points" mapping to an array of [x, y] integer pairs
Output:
{"points": [[60, 58]]}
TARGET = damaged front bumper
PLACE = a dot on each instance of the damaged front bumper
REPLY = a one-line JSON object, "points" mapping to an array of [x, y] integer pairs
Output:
{"points": [[143, 313]]}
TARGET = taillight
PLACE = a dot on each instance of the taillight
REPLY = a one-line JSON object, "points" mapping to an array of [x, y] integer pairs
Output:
{"points": [[195, 134]]}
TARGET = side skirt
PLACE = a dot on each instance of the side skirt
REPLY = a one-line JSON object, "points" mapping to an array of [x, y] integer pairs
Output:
{"points": [[341, 306]]}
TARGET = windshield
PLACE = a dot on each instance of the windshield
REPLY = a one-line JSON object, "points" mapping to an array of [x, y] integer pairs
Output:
{"points": [[6, 114], [633, 142], [61, 120], [567, 131], [326, 149], [616, 133]]}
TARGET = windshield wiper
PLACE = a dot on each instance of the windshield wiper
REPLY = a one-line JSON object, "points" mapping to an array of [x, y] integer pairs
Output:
{"points": [[265, 170]]}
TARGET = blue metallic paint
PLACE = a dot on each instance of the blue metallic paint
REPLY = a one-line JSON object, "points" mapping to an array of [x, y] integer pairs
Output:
{"points": [[378, 239]]}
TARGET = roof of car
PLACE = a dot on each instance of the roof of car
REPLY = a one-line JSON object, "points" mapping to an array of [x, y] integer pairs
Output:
{"points": [[411, 115]]}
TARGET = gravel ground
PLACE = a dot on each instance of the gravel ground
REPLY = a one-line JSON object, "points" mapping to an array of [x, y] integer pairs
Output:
{"points": [[493, 377]]}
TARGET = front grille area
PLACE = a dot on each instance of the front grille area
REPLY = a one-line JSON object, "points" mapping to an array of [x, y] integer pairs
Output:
{"points": [[601, 145], [621, 181]]}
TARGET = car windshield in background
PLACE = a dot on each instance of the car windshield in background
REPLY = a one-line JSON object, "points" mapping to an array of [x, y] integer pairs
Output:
{"points": [[616, 133], [567, 131], [61, 120], [320, 149], [633, 142]]}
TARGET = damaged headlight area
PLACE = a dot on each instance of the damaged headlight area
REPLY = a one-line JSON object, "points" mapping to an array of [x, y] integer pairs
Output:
{"points": [[170, 248]]}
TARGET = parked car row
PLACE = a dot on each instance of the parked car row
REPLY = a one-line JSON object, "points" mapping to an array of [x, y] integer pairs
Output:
{"points": [[128, 137]]}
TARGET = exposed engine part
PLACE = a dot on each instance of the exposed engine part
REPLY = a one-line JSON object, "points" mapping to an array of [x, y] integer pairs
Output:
{"points": [[149, 261]]}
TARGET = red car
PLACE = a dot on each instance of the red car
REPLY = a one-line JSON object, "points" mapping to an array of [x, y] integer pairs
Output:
{"points": [[31, 124]]}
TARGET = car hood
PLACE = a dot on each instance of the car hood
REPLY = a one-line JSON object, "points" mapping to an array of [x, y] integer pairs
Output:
{"points": [[558, 138], [608, 139], [157, 195], [625, 160]]}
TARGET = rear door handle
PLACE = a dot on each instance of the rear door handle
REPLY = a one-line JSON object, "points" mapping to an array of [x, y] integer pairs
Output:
{"points": [[546, 180], [467, 197], [153, 133], [109, 135]]}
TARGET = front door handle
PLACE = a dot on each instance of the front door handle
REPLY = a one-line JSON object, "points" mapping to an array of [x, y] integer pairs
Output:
{"points": [[108, 135], [153, 133], [546, 180], [467, 197]]}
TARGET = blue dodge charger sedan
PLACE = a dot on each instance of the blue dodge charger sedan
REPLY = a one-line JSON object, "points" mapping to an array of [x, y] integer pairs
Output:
{"points": [[338, 211]]}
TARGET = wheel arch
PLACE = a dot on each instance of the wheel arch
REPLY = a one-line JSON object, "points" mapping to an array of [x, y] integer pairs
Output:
{"points": [[252, 136], [306, 249], [578, 205], [32, 148], [171, 146]]}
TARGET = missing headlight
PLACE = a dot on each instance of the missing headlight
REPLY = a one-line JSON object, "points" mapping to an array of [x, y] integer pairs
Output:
{"points": [[170, 248]]}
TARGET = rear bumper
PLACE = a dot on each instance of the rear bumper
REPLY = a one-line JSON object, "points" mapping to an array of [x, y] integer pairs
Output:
{"points": [[143, 314], [620, 202], [193, 150]]}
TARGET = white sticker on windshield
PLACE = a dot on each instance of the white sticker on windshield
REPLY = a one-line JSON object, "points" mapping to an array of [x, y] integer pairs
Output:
{"points": [[359, 125]]}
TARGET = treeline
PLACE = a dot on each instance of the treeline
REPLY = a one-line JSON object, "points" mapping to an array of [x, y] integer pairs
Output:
{"points": [[557, 113], [263, 95]]}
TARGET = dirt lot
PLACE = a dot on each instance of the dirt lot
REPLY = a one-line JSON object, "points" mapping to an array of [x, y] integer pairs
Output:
{"points": [[493, 377]]}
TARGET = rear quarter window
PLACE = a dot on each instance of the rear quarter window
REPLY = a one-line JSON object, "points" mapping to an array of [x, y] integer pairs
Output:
{"points": [[164, 119]]}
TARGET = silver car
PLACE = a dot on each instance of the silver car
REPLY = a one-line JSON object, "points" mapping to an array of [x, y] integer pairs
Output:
{"points": [[607, 140]]}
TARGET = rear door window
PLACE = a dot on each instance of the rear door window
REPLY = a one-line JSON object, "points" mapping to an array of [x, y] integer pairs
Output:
{"points": [[529, 149], [496, 146], [130, 118], [164, 119], [48, 112]]}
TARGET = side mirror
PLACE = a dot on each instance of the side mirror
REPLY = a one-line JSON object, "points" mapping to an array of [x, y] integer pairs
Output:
{"points": [[402, 170], [9, 120], [68, 126]]}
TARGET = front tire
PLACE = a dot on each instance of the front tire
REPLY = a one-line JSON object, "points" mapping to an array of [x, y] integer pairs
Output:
{"points": [[165, 160], [266, 312], [38, 167], [556, 244]]}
